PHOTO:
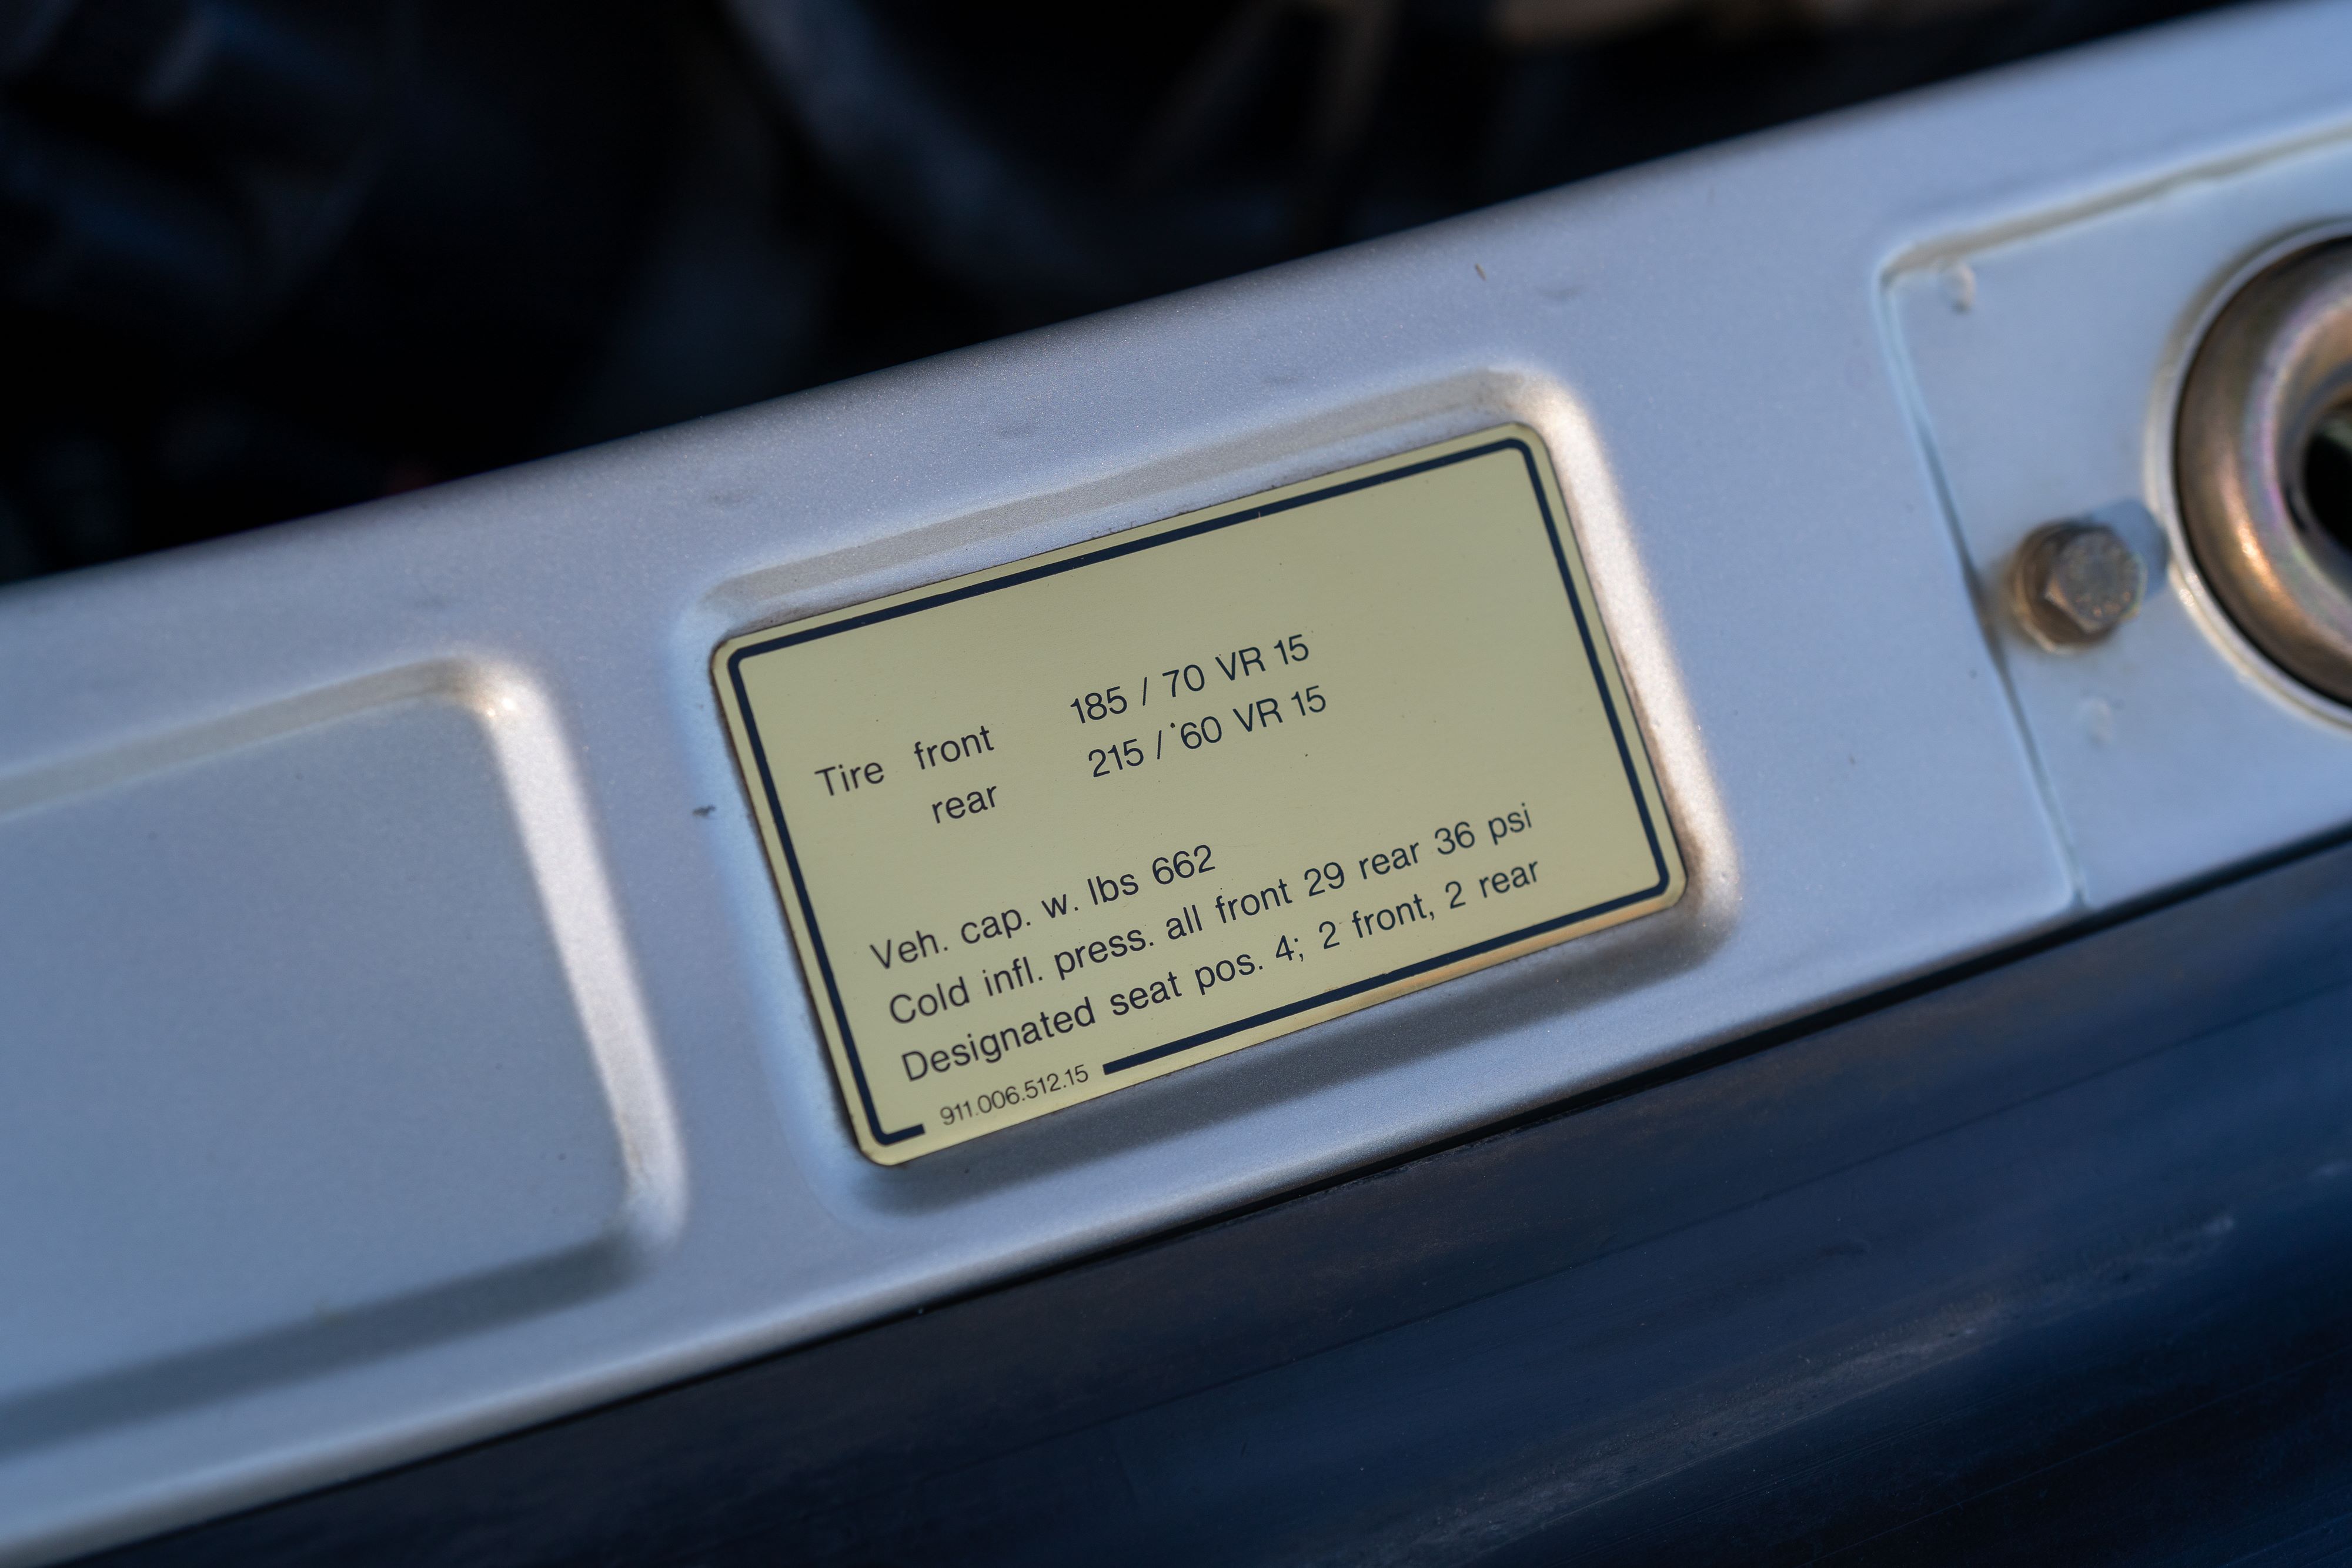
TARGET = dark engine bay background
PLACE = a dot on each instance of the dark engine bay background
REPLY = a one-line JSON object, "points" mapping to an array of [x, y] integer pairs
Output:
{"points": [[260, 258]]}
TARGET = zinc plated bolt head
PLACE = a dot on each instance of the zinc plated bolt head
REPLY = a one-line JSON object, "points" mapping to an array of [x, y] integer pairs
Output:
{"points": [[2073, 583]]}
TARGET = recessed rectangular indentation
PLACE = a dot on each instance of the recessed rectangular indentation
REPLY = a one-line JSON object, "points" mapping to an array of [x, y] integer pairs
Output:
{"points": [[296, 1053], [1088, 818]]}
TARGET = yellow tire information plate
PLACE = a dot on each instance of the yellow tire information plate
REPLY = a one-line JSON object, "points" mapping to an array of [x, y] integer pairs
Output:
{"points": [[1051, 829]]}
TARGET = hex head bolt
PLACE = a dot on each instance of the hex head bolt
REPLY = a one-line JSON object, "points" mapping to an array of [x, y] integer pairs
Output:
{"points": [[2073, 583]]}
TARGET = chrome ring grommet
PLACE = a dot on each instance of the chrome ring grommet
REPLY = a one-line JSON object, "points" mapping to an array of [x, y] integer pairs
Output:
{"points": [[2262, 461]]}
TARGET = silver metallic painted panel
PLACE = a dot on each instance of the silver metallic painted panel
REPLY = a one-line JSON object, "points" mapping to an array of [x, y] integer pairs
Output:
{"points": [[241, 1146], [1700, 344]]}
